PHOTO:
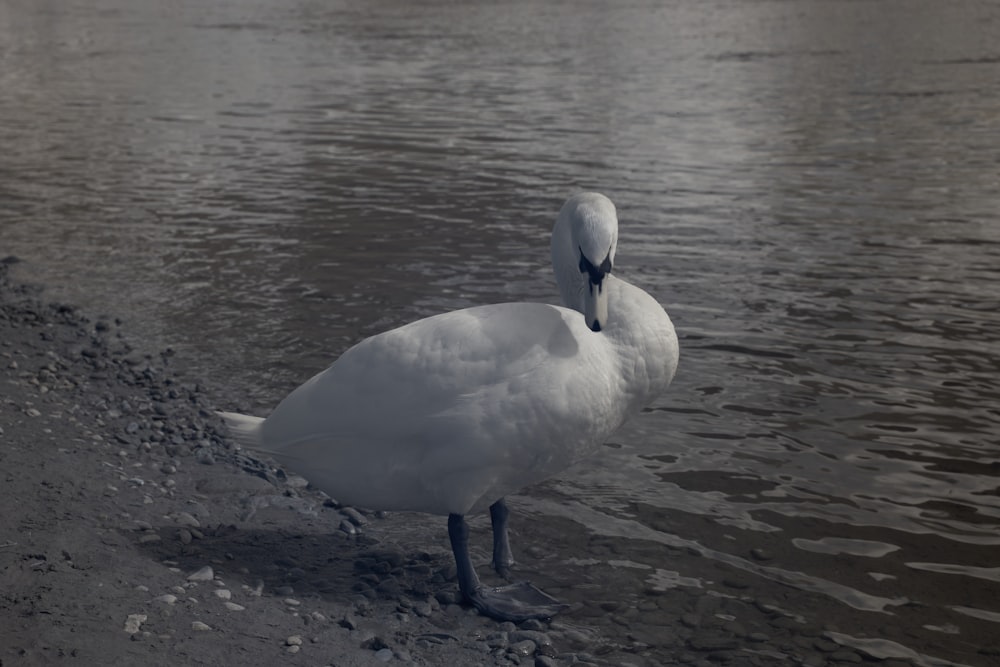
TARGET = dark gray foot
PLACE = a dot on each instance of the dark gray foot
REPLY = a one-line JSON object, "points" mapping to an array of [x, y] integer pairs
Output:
{"points": [[516, 602]]}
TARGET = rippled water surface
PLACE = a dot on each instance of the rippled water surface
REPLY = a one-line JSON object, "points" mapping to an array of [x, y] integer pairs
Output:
{"points": [[810, 188]]}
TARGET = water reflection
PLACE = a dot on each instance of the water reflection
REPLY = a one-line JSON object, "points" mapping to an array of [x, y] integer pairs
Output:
{"points": [[809, 187]]}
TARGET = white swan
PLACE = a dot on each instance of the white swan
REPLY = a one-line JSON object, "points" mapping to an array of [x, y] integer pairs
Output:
{"points": [[451, 413]]}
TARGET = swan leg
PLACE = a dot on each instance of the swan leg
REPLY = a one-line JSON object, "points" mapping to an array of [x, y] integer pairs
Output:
{"points": [[503, 559], [516, 602]]}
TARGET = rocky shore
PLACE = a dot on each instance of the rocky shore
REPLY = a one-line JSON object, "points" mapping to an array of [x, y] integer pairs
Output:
{"points": [[134, 532]]}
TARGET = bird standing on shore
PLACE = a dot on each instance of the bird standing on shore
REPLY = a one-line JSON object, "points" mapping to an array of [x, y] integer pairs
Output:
{"points": [[450, 414]]}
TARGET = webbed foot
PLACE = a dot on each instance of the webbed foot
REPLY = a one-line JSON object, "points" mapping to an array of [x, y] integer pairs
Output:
{"points": [[514, 602]]}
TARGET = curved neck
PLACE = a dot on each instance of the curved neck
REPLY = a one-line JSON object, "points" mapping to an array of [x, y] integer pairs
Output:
{"points": [[565, 264]]}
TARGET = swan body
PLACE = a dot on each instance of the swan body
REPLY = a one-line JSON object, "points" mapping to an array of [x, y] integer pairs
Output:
{"points": [[449, 414]]}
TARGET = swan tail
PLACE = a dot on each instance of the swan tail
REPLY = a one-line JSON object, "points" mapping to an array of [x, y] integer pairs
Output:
{"points": [[245, 429]]}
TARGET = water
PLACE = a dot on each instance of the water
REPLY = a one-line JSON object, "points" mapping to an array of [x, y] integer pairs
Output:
{"points": [[810, 188]]}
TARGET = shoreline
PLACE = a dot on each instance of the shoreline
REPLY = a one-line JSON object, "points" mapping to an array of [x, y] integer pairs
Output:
{"points": [[121, 490]]}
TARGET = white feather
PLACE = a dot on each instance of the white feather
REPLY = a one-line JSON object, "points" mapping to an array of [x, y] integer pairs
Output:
{"points": [[450, 413]]}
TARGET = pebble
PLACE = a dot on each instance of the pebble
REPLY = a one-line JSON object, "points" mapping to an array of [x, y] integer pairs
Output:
{"points": [[294, 640], [167, 598], [385, 654], [232, 606], [538, 638], [32, 412], [200, 627], [186, 519], [691, 620], [133, 622], [354, 516], [223, 593], [523, 648], [296, 481], [204, 574]]}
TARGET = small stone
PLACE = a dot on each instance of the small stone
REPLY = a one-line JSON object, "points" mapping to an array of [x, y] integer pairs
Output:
{"points": [[523, 648], [133, 622], [296, 481], [204, 574], [294, 640], [294, 649], [691, 620], [232, 606], [292, 602], [348, 527], [223, 593], [187, 519], [166, 598], [184, 535], [539, 638], [198, 626], [760, 554], [384, 654], [32, 412], [354, 516]]}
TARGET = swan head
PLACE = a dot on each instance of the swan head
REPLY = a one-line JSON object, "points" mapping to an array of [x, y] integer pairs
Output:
{"points": [[584, 242]]}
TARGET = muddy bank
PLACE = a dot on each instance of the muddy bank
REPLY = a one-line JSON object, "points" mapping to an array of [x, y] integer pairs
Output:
{"points": [[135, 533]]}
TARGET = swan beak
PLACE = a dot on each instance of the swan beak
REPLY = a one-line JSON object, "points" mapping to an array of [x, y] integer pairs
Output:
{"points": [[595, 305]]}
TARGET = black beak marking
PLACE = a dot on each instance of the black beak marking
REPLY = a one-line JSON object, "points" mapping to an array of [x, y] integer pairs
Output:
{"points": [[596, 273]]}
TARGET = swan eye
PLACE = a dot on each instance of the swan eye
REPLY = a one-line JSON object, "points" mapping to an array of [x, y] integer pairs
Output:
{"points": [[596, 273]]}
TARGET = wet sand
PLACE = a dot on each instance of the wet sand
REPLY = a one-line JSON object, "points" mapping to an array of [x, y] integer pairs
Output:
{"points": [[135, 533]]}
